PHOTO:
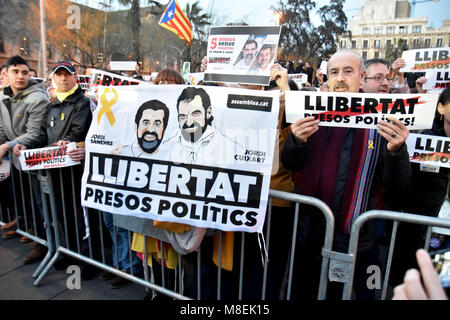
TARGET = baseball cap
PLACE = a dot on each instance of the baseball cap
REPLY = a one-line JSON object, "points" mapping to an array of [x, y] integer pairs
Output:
{"points": [[64, 64]]}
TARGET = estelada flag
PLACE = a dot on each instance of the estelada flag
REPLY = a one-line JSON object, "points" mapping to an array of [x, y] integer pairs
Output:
{"points": [[175, 20]]}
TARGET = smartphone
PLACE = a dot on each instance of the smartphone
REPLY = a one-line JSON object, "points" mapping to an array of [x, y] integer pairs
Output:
{"points": [[441, 261]]}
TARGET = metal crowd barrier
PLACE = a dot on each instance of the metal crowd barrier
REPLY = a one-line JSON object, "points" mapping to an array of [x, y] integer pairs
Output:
{"points": [[26, 202], [57, 244], [396, 217]]}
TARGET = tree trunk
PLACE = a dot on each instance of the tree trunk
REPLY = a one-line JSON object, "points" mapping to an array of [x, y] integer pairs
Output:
{"points": [[136, 29]]}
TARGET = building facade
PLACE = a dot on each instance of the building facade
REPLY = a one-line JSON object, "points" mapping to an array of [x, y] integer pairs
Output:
{"points": [[383, 24]]}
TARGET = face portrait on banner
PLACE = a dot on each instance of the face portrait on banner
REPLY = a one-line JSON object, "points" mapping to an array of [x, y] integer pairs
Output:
{"points": [[194, 113], [261, 66], [151, 122]]}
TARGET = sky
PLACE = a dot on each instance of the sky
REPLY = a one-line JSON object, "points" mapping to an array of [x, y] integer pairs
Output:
{"points": [[259, 12]]}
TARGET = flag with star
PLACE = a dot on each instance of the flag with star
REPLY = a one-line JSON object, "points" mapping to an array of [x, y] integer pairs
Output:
{"points": [[175, 20]]}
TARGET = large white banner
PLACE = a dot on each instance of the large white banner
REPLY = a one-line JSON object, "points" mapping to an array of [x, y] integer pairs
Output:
{"points": [[361, 110], [422, 60], [241, 54], [428, 150], [195, 155]]}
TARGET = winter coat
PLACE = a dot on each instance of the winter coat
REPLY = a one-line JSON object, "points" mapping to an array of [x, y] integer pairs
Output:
{"points": [[68, 120], [21, 115], [392, 171]]}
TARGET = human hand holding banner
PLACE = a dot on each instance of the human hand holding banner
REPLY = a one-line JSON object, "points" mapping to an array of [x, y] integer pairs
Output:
{"points": [[361, 110], [47, 158]]}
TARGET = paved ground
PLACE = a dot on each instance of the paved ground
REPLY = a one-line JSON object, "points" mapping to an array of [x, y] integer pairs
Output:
{"points": [[16, 280]]}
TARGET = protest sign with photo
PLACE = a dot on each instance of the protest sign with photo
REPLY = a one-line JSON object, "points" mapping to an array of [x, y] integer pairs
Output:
{"points": [[422, 60], [47, 158], [241, 54], [428, 150], [437, 80], [361, 110], [199, 156]]}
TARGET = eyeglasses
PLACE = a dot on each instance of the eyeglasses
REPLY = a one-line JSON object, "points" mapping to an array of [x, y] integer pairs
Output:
{"points": [[380, 78]]}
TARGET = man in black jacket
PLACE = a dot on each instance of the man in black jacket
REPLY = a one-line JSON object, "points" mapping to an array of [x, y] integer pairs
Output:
{"points": [[339, 165], [67, 119]]}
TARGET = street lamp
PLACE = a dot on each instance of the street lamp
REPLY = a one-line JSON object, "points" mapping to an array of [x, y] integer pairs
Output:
{"points": [[43, 38], [277, 15], [413, 4], [104, 29]]}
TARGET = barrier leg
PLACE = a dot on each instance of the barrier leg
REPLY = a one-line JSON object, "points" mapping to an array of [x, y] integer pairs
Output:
{"points": [[46, 269], [47, 188], [47, 226]]}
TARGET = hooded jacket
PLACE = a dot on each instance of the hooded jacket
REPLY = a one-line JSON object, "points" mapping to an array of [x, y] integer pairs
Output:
{"points": [[21, 115]]}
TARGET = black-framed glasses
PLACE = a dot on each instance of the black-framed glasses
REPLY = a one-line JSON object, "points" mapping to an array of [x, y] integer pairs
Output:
{"points": [[380, 78]]}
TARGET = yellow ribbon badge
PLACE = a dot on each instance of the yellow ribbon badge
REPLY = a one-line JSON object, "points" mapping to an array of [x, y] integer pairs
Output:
{"points": [[106, 106], [370, 144]]}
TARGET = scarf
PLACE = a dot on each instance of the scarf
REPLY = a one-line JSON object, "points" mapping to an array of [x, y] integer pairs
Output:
{"points": [[63, 95], [331, 149]]}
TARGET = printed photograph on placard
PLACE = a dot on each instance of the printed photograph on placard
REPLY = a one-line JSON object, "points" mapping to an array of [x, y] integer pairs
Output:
{"points": [[241, 54]]}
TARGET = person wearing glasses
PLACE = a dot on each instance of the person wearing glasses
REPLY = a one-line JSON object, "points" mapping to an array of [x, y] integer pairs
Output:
{"points": [[337, 165], [378, 78]]}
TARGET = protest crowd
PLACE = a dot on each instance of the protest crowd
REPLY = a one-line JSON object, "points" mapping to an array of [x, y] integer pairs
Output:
{"points": [[351, 169]]}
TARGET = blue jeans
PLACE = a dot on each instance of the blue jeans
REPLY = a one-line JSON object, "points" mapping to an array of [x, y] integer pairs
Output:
{"points": [[123, 247]]}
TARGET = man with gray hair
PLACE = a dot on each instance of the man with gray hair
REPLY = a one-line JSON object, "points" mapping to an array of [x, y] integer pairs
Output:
{"points": [[248, 53], [345, 167]]}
